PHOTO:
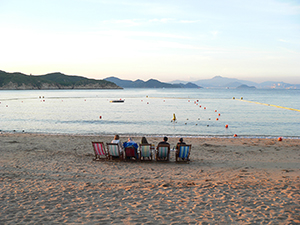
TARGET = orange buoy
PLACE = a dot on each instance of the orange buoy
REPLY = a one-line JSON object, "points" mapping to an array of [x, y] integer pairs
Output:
{"points": [[226, 126], [215, 110], [217, 118], [280, 139], [235, 135], [200, 106], [204, 108], [100, 117], [219, 114]]}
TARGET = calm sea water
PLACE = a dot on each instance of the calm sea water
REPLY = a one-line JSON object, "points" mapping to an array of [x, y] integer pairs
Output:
{"points": [[150, 111]]}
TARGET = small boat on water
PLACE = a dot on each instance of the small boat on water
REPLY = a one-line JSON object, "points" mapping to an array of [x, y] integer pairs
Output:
{"points": [[117, 101]]}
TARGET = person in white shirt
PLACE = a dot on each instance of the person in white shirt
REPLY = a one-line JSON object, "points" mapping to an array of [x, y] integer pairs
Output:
{"points": [[116, 140]]}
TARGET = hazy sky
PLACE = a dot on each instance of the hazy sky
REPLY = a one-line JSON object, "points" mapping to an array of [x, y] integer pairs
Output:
{"points": [[256, 40]]}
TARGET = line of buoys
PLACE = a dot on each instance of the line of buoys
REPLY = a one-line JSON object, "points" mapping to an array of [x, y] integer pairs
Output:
{"points": [[277, 106]]}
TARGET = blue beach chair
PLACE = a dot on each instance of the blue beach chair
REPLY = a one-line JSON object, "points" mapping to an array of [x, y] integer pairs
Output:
{"points": [[183, 153]]}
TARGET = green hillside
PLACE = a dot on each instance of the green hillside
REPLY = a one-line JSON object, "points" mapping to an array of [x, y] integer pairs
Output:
{"points": [[51, 81]]}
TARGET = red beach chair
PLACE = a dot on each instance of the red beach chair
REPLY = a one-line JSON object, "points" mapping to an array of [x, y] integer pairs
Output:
{"points": [[130, 152], [100, 151]]}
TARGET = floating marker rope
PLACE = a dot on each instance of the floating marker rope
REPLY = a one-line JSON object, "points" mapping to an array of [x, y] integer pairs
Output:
{"points": [[277, 106]]}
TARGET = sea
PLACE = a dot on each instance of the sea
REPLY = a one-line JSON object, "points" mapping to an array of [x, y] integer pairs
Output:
{"points": [[253, 113]]}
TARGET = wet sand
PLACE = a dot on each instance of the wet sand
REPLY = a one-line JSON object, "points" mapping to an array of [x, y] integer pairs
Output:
{"points": [[52, 179]]}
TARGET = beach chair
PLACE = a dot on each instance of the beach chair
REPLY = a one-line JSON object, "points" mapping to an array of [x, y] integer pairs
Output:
{"points": [[183, 153], [100, 151], [163, 152], [114, 151], [130, 152], [145, 152]]}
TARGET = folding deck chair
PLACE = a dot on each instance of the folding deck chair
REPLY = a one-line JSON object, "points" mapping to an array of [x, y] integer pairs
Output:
{"points": [[183, 153], [114, 151], [100, 151], [145, 152], [130, 152], [163, 152]]}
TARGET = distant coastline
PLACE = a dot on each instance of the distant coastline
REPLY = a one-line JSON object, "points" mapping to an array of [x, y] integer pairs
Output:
{"points": [[52, 81], [57, 80]]}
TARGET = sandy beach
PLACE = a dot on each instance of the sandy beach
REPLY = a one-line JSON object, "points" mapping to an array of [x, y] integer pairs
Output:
{"points": [[52, 179]]}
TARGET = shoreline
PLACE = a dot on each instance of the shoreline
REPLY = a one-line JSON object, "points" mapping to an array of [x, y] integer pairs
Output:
{"points": [[53, 179], [150, 136]]}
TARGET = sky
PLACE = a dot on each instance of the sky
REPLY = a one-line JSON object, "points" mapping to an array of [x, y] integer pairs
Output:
{"points": [[257, 40]]}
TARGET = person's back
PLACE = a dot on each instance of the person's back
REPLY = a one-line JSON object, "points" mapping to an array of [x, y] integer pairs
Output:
{"points": [[130, 142], [144, 141], [116, 140], [180, 143], [164, 142]]}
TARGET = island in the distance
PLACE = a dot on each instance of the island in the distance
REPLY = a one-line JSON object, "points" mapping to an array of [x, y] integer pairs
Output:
{"points": [[20, 81]]}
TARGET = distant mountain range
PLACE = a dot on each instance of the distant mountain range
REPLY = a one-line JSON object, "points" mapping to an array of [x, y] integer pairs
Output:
{"points": [[152, 83], [224, 82], [61, 81], [15, 81]]}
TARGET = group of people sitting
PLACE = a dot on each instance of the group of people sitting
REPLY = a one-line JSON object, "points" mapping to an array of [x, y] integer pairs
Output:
{"points": [[130, 143]]}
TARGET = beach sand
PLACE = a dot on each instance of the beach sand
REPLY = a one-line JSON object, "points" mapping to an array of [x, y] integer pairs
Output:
{"points": [[52, 179]]}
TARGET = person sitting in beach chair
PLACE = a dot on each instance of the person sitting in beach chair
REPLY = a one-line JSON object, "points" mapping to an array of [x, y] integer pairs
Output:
{"points": [[145, 152], [114, 151], [182, 151], [144, 141], [180, 142], [163, 150], [130, 148], [117, 140]]}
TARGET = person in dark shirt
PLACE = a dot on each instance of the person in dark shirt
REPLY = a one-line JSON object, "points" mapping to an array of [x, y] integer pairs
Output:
{"points": [[180, 143], [164, 142]]}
